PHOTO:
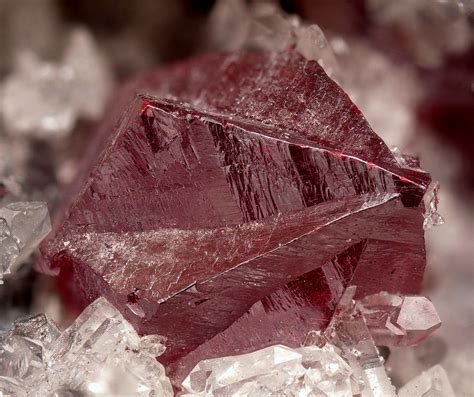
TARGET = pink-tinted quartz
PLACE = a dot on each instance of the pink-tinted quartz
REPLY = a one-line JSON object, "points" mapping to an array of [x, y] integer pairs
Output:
{"points": [[396, 320], [239, 175]]}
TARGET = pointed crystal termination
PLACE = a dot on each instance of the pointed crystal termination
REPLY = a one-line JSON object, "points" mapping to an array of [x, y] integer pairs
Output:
{"points": [[395, 320], [432, 383], [22, 227], [99, 354], [276, 369], [253, 171]]}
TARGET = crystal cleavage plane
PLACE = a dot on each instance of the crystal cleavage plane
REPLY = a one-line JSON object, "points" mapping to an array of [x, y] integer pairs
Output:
{"points": [[232, 181]]}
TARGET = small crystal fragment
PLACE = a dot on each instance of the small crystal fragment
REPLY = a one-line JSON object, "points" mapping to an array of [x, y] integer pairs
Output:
{"points": [[433, 383], [275, 370], [431, 199], [23, 225]]}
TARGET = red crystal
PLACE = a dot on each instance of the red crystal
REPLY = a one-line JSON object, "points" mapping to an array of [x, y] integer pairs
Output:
{"points": [[252, 171]]}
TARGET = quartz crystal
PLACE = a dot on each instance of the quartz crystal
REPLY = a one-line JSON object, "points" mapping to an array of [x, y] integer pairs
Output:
{"points": [[433, 383], [100, 354], [253, 169], [348, 331], [275, 370], [23, 225], [399, 320]]}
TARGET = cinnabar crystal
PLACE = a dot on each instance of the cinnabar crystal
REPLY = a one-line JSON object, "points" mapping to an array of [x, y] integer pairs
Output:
{"points": [[233, 181]]}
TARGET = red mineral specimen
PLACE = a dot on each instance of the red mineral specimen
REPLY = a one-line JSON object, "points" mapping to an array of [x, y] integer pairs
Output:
{"points": [[233, 182]]}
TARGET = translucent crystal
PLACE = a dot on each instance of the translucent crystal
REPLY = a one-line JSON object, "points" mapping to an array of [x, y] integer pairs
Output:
{"points": [[432, 217], [433, 383], [399, 320], [348, 331], [99, 354], [275, 370], [23, 225], [56, 94]]}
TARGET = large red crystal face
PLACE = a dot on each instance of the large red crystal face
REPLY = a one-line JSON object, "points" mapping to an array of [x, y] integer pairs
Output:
{"points": [[252, 188]]}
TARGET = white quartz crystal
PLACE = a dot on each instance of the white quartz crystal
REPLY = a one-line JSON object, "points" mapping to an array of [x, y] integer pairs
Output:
{"points": [[23, 225], [274, 371], [432, 383], [100, 354]]}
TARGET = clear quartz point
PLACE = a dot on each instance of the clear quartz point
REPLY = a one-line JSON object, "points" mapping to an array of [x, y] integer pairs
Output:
{"points": [[100, 354], [275, 370], [433, 383]]}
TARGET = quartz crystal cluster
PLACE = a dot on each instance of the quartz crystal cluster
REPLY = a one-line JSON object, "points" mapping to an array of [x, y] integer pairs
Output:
{"points": [[100, 354]]}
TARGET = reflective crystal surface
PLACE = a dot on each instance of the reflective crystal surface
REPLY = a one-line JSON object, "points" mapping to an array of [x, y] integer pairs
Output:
{"points": [[433, 383], [23, 225], [275, 370], [99, 354], [395, 320], [241, 184]]}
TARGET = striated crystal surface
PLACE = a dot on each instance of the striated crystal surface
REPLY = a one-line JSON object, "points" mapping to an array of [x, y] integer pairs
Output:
{"points": [[23, 225], [433, 383], [275, 370], [99, 354], [395, 320], [254, 170]]}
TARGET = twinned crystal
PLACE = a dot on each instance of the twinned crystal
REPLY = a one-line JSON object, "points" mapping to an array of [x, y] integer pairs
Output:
{"points": [[229, 193], [100, 354]]}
